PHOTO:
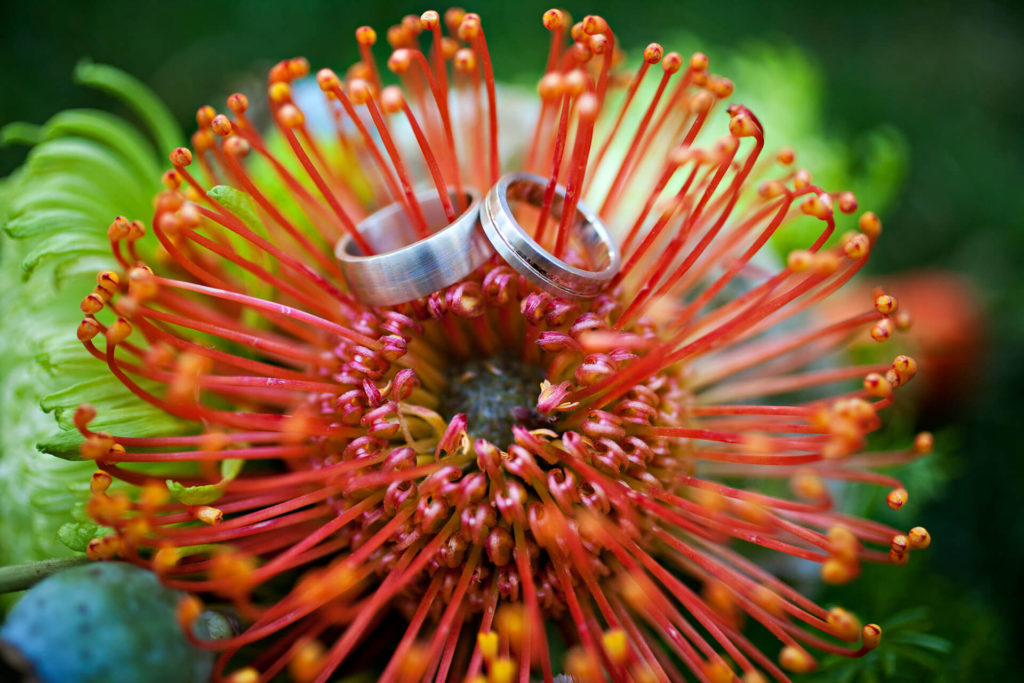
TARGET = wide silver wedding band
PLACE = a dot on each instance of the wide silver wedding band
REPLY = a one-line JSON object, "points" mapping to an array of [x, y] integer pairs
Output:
{"points": [[529, 258], [405, 267]]}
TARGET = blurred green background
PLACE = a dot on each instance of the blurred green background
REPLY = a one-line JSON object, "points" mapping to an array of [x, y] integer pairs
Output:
{"points": [[947, 76]]}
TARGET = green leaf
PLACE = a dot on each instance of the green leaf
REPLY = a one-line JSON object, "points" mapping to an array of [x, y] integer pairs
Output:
{"points": [[96, 390], [136, 421], [60, 247], [76, 535], [136, 95], [231, 468], [65, 357], [889, 662], [926, 641], [98, 164], [38, 223], [242, 205], [67, 192], [63, 444], [194, 495], [21, 133], [207, 493], [112, 132], [237, 202]]}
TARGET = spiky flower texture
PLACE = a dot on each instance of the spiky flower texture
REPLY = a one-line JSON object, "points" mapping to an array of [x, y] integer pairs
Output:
{"points": [[455, 487]]}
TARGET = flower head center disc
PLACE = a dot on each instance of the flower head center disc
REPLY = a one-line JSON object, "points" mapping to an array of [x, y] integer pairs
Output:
{"points": [[495, 394]]}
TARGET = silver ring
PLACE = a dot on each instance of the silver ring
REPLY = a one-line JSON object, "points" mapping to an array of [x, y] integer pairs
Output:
{"points": [[531, 260], [406, 267]]}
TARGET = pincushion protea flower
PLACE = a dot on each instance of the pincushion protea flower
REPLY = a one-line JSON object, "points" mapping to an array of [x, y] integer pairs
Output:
{"points": [[432, 490]]}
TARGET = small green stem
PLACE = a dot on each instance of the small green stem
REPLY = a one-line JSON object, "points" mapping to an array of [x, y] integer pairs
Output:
{"points": [[20, 577]]}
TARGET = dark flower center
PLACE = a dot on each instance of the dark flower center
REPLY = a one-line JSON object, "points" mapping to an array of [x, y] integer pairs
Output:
{"points": [[495, 394]]}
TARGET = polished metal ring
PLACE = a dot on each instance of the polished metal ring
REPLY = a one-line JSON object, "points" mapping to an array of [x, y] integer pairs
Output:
{"points": [[405, 267], [531, 260]]}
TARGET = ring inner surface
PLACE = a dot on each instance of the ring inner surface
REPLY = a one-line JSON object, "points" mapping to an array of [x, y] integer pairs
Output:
{"points": [[390, 229], [581, 233]]}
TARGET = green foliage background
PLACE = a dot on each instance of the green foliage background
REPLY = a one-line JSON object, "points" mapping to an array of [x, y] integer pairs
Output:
{"points": [[946, 76]]}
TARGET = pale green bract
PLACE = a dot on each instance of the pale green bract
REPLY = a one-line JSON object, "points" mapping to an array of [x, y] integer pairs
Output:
{"points": [[85, 167]]}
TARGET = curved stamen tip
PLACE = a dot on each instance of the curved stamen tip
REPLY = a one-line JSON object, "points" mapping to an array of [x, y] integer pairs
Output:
{"points": [[181, 157], [365, 35], [653, 53], [554, 19], [871, 636], [400, 60], [430, 20]]}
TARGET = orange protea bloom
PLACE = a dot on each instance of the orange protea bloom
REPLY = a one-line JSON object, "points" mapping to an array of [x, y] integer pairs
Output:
{"points": [[422, 490]]}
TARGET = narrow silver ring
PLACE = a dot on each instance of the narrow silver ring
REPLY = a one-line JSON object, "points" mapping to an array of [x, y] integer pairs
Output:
{"points": [[529, 258], [406, 267]]}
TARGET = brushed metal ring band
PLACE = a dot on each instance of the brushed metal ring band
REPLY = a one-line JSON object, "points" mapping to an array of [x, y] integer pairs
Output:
{"points": [[406, 267], [529, 258]]}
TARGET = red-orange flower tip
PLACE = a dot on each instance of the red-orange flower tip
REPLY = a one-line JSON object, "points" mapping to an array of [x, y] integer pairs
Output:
{"points": [[857, 246], [209, 515], [871, 636], [877, 385], [919, 538], [189, 609], [430, 20], [653, 53], [118, 331], [554, 19], [720, 87], [742, 125], [924, 443], [886, 304], [672, 62], [897, 498], [616, 645], [469, 27], [204, 115], [844, 624], [245, 675], [837, 571], [308, 661], [359, 91], [100, 482], [796, 660], [870, 225], [181, 157], [882, 330], [365, 35], [391, 99], [400, 61]]}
